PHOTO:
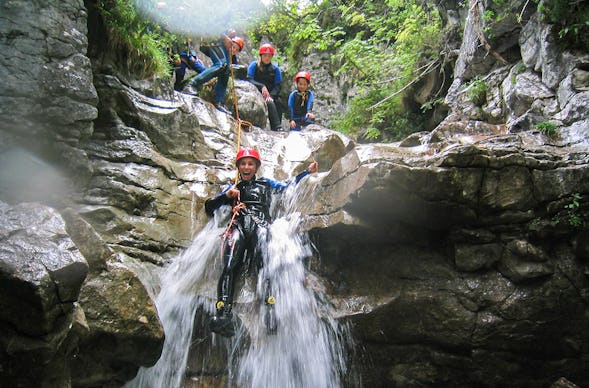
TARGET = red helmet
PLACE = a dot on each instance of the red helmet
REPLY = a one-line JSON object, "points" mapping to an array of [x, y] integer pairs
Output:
{"points": [[240, 42], [266, 49], [248, 153], [302, 74]]}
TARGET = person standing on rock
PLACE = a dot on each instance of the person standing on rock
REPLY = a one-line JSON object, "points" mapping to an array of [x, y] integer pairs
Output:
{"points": [[267, 77], [300, 102], [250, 199]]}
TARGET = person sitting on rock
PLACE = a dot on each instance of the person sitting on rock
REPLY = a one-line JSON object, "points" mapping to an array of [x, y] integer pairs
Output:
{"points": [[248, 231], [300, 102], [267, 78], [185, 60], [223, 54]]}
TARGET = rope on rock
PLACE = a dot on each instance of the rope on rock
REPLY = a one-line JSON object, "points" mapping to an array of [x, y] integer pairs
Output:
{"points": [[240, 123]]}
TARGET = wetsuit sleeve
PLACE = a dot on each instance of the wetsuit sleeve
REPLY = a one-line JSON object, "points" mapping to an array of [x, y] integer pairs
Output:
{"points": [[217, 201], [281, 186], [251, 73], [291, 99], [277, 80], [301, 176], [277, 185], [310, 102]]}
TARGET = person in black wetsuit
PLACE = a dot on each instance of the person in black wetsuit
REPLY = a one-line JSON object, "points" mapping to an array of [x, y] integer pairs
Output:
{"points": [[267, 77], [250, 199]]}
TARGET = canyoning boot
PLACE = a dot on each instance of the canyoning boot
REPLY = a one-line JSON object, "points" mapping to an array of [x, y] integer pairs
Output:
{"points": [[270, 316], [222, 322]]}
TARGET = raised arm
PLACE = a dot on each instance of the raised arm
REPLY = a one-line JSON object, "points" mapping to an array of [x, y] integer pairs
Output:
{"points": [[280, 186]]}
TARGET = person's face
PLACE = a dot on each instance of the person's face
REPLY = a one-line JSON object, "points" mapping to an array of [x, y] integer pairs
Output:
{"points": [[302, 84], [234, 48], [247, 168], [266, 58]]}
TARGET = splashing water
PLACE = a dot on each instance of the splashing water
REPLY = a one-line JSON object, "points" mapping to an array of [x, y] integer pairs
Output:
{"points": [[301, 354], [309, 349], [177, 302]]}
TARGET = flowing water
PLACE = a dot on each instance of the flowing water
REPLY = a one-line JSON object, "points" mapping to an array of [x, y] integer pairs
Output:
{"points": [[310, 347]]}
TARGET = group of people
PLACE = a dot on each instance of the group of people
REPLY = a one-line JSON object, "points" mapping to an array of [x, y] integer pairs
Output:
{"points": [[267, 77], [263, 73], [250, 198]]}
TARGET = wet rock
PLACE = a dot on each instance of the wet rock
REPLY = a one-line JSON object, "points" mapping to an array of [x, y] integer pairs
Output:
{"points": [[41, 275], [454, 254]]}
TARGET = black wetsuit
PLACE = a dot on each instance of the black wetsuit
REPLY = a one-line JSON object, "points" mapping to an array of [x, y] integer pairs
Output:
{"points": [[248, 232]]}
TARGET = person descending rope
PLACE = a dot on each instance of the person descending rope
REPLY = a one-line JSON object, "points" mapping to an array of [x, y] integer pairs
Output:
{"points": [[224, 55], [266, 76], [300, 102], [250, 199]]}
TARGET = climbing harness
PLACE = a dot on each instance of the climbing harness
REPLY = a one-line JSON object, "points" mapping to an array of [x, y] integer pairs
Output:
{"points": [[226, 233]]}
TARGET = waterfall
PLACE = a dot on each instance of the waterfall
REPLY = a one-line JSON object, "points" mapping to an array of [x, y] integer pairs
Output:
{"points": [[310, 347], [179, 298]]}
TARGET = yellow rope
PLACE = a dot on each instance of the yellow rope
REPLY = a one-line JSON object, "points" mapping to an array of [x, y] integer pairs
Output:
{"points": [[240, 122]]}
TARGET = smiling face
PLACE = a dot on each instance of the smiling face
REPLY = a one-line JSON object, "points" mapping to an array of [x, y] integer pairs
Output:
{"points": [[302, 84], [247, 168], [266, 58]]}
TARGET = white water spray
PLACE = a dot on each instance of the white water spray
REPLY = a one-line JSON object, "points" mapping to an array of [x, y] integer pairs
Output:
{"points": [[309, 349], [181, 294]]}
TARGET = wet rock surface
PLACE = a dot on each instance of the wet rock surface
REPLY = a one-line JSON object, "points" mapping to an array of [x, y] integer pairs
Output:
{"points": [[454, 254]]}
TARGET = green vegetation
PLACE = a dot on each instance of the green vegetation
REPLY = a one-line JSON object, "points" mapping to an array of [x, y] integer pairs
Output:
{"points": [[477, 92], [146, 44], [571, 18], [548, 129], [575, 218], [520, 68], [384, 46], [497, 11], [572, 216], [381, 48]]}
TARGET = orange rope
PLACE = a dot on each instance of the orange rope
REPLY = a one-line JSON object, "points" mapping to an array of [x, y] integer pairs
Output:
{"points": [[240, 122], [226, 233]]}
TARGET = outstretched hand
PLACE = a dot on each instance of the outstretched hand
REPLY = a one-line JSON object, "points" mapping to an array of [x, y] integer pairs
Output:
{"points": [[313, 167]]}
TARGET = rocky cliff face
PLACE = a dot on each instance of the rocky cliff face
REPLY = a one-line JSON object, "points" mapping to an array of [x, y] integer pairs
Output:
{"points": [[459, 256]]}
